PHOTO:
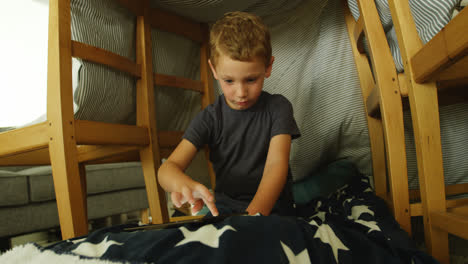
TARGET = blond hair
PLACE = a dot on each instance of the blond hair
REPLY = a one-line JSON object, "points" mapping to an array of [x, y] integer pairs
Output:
{"points": [[241, 36]]}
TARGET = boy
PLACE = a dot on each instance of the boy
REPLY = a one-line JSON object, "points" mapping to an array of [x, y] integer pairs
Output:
{"points": [[248, 131]]}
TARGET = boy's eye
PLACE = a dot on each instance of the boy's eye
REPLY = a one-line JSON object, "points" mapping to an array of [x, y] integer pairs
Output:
{"points": [[228, 81], [251, 80]]}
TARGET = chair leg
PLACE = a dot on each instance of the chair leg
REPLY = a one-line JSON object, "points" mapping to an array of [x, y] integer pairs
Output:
{"points": [[69, 190], [144, 215], [156, 195], [146, 117], [425, 116], [426, 127], [82, 170], [397, 172], [390, 128]]}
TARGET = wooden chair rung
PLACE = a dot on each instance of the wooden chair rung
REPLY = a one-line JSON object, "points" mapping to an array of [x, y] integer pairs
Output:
{"points": [[99, 133], [403, 83], [165, 152], [178, 82], [169, 139], [460, 208], [94, 153], [453, 205], [125, 157], [455, 71], [101, 56], [86, 154], [451, 223], [452, 189], [433, 61], [373, 103], [35, 157], [176, 24], [24, 139], [359, 35]]}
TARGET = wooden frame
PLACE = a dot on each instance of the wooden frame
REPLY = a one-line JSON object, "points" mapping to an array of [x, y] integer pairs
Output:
{"points": [[441, 61], [69, 144]]}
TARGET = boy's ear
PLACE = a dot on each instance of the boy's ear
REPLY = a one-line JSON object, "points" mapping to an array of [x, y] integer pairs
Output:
{"points": [[213, 69], [269, 68]]}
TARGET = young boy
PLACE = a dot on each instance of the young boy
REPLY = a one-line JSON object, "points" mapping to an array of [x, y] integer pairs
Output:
{"points": [[248, 131]]}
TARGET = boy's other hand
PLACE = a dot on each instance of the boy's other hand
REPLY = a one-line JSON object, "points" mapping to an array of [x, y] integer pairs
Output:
{"points": [[197, 195]]}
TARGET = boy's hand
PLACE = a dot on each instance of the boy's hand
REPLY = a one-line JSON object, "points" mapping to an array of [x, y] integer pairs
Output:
{"points": [[196, 195]]}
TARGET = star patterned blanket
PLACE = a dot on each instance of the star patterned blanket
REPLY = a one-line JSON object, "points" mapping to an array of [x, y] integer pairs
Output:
{"points": [[352, 225]]}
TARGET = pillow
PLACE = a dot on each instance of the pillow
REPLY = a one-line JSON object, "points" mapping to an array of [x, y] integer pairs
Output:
{"points": [[325, 181], [315, 70], [101, 93]]}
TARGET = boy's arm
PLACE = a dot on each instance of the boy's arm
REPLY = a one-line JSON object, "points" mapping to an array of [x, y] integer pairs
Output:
{"points": [[183, 189], [274, 176]]}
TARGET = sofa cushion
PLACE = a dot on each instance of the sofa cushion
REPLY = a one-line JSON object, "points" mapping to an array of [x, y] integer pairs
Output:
{"points": [[14, 188], [99, 179], [40, 216]]}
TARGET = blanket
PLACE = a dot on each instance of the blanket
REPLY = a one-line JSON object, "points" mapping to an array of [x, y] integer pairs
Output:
{"points": [[351, 225]]}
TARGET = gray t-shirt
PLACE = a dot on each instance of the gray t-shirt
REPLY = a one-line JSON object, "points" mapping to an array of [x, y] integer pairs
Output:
{"points": [[239, 140]]}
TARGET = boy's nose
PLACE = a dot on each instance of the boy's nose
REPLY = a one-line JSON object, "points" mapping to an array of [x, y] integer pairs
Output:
{"points": [[242, 91]]}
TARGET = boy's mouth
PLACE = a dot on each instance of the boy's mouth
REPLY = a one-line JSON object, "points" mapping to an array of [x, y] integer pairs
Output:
{"points": [[243, 103]]}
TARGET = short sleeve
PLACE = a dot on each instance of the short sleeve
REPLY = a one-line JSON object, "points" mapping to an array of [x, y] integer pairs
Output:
{"points": [[283, 117], [200, 129]]}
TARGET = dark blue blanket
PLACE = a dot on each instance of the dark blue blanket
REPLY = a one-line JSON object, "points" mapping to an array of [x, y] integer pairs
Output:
{"points": [[352, 225]]}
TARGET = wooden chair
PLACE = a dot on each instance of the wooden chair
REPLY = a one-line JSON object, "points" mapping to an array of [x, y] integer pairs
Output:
{"points": [[68, 144], [433, 72], [383, 103]]}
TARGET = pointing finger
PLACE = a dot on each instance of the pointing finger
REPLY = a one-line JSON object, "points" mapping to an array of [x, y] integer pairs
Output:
{"points": [[212, 207]]}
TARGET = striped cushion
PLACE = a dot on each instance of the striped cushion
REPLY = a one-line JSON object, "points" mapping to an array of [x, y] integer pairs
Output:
{"points": [[454, 135], [103, 94], [175, 55], [430, 16], [314, 68], [210, 10]]}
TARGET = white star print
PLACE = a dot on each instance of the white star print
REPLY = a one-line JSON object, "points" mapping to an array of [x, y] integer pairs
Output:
{"points": [[317, 206], [342, 187], [94, 250], [341, 191], [301, 258], [372, 225], [357, 210], [347, 201], [207, 235], [320, 215], [326, 235], [77, 240]]}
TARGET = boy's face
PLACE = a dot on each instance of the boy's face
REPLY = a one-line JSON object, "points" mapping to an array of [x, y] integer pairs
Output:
{"points": [[241, 81]]}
